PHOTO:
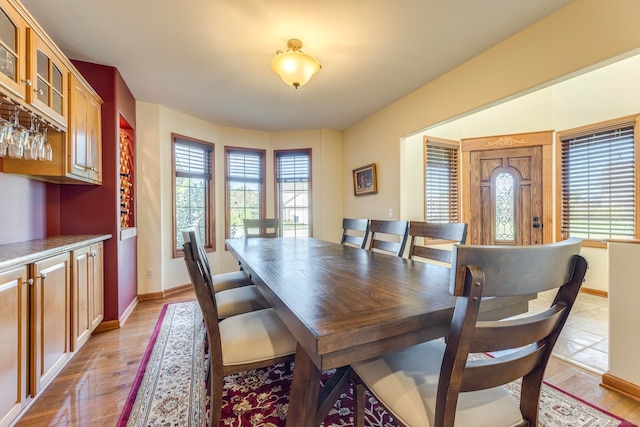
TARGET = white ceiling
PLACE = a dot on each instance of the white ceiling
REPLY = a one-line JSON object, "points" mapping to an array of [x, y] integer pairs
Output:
{"points": [[211, 58]]}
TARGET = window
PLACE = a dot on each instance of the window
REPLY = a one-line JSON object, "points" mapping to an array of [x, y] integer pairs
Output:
{"points": [[441, 180], [293, 192], [245, 187], [192, 190], [598, 179]]}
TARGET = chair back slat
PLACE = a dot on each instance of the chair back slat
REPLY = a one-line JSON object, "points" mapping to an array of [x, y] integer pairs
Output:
{"points": [[355, 232], [492, 373], [424, 231], [515, 270], [508, 334], [426, 252], [389, 236], [265, 227]]}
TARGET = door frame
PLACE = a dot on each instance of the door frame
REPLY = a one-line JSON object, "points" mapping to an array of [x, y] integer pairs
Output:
{"points": [[518, 140]]}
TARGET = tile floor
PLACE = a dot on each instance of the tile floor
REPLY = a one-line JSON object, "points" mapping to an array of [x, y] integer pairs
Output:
{"points": [[584, 340]]}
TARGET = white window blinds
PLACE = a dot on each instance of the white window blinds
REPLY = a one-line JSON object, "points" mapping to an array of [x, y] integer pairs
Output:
{"points": [[598, 184], [441, 183]]}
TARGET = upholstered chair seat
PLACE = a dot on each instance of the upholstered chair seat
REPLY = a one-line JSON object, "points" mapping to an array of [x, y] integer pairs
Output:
{"points": [[407, 382], [253, 337], [239, 300], [233, 279]]}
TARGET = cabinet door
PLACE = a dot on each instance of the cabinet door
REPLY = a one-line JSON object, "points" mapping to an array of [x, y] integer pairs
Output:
{"points": [[94, 139], [49, 79], [50, 317], [13, 51], [82, 270], [97, 294], [13, 351], [85, 134], [87, 293]]}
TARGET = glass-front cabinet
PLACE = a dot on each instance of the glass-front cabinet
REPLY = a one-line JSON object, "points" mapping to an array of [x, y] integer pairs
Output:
{"points": [[41, 93], [49, 77], [13, 48], [30, 69]]}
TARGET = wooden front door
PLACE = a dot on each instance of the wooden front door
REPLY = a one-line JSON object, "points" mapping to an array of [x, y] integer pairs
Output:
{"points": [[506, 198]]}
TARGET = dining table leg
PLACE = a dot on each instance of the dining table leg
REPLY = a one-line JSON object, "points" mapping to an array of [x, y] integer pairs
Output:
{"points": [[305, 389]]}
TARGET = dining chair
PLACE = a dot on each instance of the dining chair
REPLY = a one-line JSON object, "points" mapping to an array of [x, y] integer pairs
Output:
{"points": [[388, 236], [435, 384], [220, 281], [264, 227], [420, 231], [231, 298], [355, 232], [238, 343]]}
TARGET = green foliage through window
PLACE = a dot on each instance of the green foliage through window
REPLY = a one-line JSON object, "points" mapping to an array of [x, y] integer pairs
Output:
{"points": [[192, 193], [245, 184], [293, 176]]}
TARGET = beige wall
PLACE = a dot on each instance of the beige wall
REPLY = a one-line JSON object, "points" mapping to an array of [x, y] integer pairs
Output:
{"points": [[606, 93], [155, 123], [583, 35]]}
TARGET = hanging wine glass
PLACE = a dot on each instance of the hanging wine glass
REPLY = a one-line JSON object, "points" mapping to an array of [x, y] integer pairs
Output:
{"points": [[35, 141], [18, 140], [5, 135], [47, 150], [26, 149]]}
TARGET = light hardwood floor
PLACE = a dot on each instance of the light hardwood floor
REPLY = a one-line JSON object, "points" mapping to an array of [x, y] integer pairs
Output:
{"points": [[93, 387]]}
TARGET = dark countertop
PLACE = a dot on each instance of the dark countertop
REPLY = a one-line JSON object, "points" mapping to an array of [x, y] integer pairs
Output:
{"points": [[16, 254]]}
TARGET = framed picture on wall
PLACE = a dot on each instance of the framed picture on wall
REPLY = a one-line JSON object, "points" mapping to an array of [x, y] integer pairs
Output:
{"points": [[365, 180]]}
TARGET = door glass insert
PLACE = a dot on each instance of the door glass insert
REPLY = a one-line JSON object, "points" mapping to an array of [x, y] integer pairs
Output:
{"points": [[43, 78], [56, 83], [505, 207], [43, 65], [43, 91], [8, 46]]}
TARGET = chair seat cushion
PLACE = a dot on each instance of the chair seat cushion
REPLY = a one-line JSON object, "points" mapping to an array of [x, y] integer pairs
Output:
{"points": [[234, 279], [253, 337], [406, 382], [239, 300]]}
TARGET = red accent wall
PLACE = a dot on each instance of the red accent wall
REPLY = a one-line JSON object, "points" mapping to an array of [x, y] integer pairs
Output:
{"points": [[96, 209]]}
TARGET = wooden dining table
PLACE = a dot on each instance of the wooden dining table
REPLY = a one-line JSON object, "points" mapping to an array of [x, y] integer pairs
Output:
{"points": [[345, 304]]}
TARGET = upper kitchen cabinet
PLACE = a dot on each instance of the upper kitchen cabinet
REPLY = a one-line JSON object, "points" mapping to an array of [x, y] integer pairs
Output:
{"points": [[48, 76], [85, 134], [13, 52], [41, 90]]}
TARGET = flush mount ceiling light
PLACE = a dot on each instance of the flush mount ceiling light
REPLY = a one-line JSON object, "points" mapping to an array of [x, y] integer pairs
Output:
{"points": [[294, 67]]}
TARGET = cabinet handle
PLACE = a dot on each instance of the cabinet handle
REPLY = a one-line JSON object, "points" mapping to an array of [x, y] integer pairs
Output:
{"points": [[39, 91], [30, 282], [93, 169], [27, 82], [43, 276], [94, 253]]}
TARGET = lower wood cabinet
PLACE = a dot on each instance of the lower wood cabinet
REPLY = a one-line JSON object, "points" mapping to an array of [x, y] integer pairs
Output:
{"points": [[87, 293], [14, 355], [50, 316], [49, 306]]}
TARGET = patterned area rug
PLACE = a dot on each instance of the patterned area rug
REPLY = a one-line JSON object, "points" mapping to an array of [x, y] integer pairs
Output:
{"points": [[170, 391]]}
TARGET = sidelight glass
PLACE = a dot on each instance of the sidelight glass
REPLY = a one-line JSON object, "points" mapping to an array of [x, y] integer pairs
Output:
{"points": [[505, 204]]}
